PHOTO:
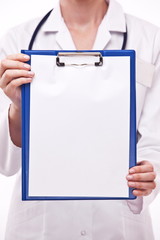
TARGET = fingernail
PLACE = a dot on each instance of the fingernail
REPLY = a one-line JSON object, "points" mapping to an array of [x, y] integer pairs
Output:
{"points": [[132, 171], [27, 66], [129, 177], [26, 57], [31, 73], [135, 192]]}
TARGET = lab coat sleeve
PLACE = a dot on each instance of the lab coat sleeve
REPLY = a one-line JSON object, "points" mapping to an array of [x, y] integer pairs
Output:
{"points": [[9, 153], [148, 147]]}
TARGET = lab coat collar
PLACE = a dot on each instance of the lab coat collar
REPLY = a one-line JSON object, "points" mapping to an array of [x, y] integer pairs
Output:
{"points": [[54, 21], [115, 18], [114, 21]]}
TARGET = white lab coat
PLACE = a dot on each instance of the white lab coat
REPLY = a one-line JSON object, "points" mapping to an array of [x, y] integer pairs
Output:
{"points": [[89, 220]]}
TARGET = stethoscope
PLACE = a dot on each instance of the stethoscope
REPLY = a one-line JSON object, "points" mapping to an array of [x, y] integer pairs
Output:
{"points": [[44, 20]]}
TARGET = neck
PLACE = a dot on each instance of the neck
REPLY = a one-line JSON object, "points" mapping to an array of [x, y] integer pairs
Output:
{"points": [[78, 13]]}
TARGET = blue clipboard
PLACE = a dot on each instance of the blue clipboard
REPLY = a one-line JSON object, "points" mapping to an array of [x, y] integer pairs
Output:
{"points": [[26, 124]]}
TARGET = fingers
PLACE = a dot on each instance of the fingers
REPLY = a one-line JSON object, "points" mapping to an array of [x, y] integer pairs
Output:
{"points": [[14, 72], [11, 64], [19, 57], [141, 192], [142, 177], [16, 61], [142, 185], [17, 83], [14, 67], [142, 167], [10, 75]]}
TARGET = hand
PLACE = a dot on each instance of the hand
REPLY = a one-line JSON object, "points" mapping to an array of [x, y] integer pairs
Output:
{"points": [[141, 177], [13, 73]]}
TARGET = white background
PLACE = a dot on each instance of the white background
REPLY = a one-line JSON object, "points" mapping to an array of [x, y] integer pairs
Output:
{"points": [[18, 11]]}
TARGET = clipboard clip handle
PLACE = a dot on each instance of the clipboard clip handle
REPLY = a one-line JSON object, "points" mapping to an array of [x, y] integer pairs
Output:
{"points": [[81, 57]]}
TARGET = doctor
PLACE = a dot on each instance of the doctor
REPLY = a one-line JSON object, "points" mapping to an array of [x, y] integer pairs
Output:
{"points": [[79, 24]]}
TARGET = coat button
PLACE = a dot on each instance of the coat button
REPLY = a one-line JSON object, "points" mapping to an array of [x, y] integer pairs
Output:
{"points": [[83, 233]]}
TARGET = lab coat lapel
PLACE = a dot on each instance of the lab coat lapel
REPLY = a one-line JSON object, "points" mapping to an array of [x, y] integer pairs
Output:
{"points": [[102, 39], [64, 39], [55, 24], [113, 21]]}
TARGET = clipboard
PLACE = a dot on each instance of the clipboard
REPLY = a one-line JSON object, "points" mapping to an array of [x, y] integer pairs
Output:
{"points": [[79, 125]]}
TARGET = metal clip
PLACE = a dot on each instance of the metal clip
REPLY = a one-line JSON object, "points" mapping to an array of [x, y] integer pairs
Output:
{"points": [[79, 54]]}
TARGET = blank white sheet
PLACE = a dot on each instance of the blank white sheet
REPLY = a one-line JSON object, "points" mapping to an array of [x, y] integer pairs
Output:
{"points": [[79, 128]]}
